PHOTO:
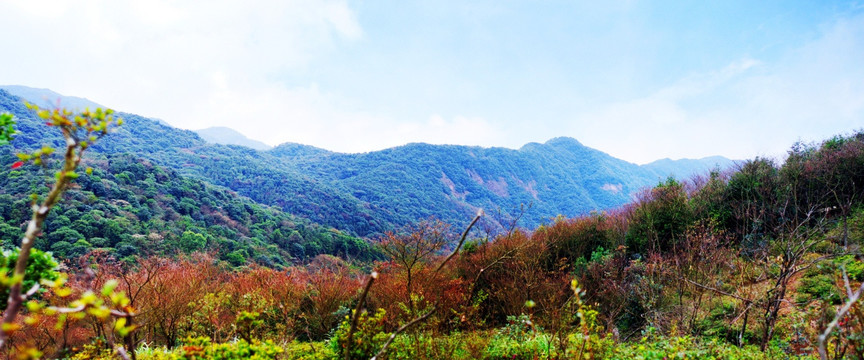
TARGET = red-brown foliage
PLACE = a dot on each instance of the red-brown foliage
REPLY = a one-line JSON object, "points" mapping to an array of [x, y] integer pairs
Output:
{"points": [[331, 285]]}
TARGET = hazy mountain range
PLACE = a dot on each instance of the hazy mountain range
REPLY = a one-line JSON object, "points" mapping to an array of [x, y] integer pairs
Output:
{"points": [[229, 136], [49, 98]]}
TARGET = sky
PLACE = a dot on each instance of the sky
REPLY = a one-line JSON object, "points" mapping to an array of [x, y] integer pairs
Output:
{"points": [[640, 80]]}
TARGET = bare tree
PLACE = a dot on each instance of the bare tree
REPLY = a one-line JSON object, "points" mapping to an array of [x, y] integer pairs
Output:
{"points": [[409, 251]]}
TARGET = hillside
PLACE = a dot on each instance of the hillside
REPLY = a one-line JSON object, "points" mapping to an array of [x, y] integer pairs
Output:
{"points": [[559, 177], [369, 193], [130, 207], [250, 173], [725, 267], [685, 168]]}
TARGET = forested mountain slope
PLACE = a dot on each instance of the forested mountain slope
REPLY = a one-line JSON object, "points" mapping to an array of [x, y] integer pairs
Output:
{"points": [[251, 173], [369, 193], [129, 206], [419, 180]]}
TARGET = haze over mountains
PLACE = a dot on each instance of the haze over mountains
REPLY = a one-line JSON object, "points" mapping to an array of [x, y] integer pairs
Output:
{"points": [[369, 193], [49, 98], [228, 136]]}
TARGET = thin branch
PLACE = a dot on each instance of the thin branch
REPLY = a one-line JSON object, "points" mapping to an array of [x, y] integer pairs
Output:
{"points": [[356, 315], [80, 308], [65, 310], [840, 314], [401, 329], [34, 226], [31, 292], [721, 292], [461, 240], [746, 309], [846, 282], [121, 351]]}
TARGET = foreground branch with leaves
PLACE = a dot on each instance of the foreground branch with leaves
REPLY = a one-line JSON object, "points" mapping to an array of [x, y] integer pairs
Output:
{"points": [[79, 131]]}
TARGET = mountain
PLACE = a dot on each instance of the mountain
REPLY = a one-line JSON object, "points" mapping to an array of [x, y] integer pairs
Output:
{"points": [[685, 168], [228, 136], [254, 174], [129, 206], [559, 177], [369, 193], [297, 151], [48, 98]]}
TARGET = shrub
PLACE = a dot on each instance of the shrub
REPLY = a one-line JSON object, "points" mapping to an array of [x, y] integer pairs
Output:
{"points": [[686, 347], [368, 337], [199, 348], [660, 218], [40, 266]]}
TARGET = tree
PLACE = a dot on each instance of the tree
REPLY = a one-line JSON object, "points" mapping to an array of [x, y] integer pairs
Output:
{"points": [[6, 128], [660, 218], [413, 246], [409, 250], [191, 241]]}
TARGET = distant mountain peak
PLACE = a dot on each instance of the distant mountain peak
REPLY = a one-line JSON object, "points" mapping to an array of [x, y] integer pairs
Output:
{"points": [[228, 136], [684, 168], [561, 142], [564, 141], [49, 98], [296, 149]]}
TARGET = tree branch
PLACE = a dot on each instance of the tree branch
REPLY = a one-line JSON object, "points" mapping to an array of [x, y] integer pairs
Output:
{"points": [[356, 315], [40, 212], [401, 329], [461, 240], [853, 297]]}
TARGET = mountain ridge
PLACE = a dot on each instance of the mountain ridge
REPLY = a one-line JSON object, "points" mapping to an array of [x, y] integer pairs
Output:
{"points": [[228, 136], [50, 98], [369, 193]]}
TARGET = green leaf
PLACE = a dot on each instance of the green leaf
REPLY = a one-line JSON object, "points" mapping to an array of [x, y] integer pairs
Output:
{"points": [[109, 287]]}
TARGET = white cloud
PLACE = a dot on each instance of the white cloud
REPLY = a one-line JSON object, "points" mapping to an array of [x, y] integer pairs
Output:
{"points": [[746, 109], [644, 129], [275, 114], [197, 64], [204, 63], [456, 130], [161, 58]]}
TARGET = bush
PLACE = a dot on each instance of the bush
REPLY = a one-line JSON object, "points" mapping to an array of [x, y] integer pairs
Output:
{"points": [[660, 218], [650, 348], [202, 348], [819, 287], [368, 337], [40, 266], [309, 351]]}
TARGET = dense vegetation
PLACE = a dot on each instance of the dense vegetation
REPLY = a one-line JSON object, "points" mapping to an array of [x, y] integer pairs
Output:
{"points": [[368, 194], [130, 207], [250, 173], [450, 182]]}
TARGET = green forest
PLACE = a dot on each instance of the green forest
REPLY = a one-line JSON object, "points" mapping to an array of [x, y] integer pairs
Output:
{"points": [[127, 206], [117, 252]]}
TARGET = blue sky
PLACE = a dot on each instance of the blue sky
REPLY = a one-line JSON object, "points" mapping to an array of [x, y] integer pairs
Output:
{"points": [[641, 80]]}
